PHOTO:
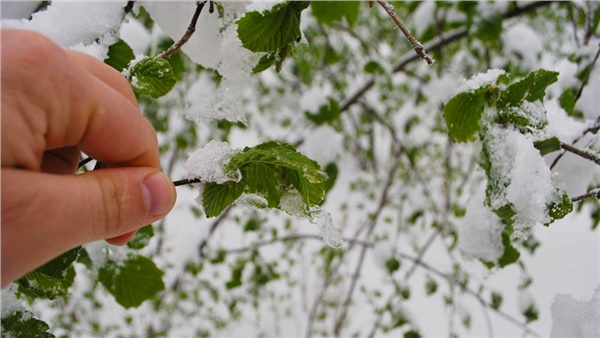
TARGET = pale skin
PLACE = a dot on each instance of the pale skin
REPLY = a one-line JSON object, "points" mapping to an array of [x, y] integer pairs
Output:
{"points": [[56, 104]]}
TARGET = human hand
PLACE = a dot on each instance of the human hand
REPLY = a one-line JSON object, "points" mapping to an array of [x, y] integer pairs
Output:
{"points": [[55, 104]]}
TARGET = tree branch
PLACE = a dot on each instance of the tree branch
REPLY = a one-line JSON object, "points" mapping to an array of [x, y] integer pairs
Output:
{"points": [[592, 194], [187, 181], [188, 33], [417, 46], [587, 75], [469, 292], [292, 238], [582, 153], [435, 45]]}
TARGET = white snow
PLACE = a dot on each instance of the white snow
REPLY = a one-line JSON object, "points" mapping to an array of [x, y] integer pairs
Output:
{"points": [[10, 303], [85, 26], [524, 43], [518, 165], [574, 318], [480, 231], [329, 232], [208, 163], [480, 80]]}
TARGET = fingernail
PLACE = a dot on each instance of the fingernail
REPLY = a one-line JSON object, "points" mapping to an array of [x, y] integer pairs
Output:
{"points": [[157, 190]]}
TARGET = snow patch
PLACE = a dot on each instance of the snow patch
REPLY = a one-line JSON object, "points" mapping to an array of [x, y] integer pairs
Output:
{"points": [[208, 163], [573, 318]]}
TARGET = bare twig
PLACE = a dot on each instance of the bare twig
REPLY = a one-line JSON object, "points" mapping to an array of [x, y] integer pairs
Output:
{"points": [[188, 33], [471, 293], [592, 194], [382, 203], [291, 238], [587, 75], [582, 153], [417, 46], [213, 227], [435, 45], [187, 181]]}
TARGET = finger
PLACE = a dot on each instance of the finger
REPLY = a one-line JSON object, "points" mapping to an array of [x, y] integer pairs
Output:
{"points": [[104, 73], [75, 209], [123, 239], [61, 161], [69, 106]]}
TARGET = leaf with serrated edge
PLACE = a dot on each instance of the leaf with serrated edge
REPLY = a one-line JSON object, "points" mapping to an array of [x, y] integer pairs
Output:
{"points": [[152, 76]]}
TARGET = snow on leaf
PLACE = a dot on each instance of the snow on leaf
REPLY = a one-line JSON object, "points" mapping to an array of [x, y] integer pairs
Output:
{"points": [[152, 76]]}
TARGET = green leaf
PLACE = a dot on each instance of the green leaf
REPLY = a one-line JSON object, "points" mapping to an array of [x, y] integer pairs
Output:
{"points": [[510, 254], [236, 275], [528, 114], [373, 67], [273, 29], [119, 55], [142, 237], [463, 113], [22, 324], [531, 313], [53, 279], [561, 207], [265, 62], [263, 179], [430, 287], [152, 76], [268, 170], [567, 101], [496, 300], [331, 170], [548, 145], [39, 285], [488, 30], [531, 88], [412, 334], [133, 281], [328, 113], [392, 265], [217, 197], [328, 12]]}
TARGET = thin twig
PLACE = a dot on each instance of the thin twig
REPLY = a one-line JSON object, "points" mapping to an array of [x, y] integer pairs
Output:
{"points": [[587, 75], [187, 181], [470, 292], [417, 46], [437, 44], [291, 238], [582, 153], [592, 194], [188, 33]]}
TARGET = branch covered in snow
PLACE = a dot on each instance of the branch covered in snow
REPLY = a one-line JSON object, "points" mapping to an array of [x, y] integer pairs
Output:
{"points": [[581, 153]]}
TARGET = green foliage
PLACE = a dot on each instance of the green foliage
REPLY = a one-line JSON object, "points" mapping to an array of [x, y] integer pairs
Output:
{"points": [[531, 88], [510, 254], [531, 313], [22, 324], [132, 281], [463, 114], [152, 76], [271, 30], [142, 237], [329, 12], [496, 300], [328, 113], [269, 170], [548, 145], [51, 280], [392, 265], [119, 55]]}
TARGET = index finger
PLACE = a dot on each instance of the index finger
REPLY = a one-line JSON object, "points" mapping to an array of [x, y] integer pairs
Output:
{"points": [[77, 107]]}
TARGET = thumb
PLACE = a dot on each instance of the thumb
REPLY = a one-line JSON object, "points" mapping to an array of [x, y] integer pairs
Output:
{"points": [[48, 214]]}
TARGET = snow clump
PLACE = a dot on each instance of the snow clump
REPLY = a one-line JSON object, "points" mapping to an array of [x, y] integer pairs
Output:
{"points": [[208, 163]]}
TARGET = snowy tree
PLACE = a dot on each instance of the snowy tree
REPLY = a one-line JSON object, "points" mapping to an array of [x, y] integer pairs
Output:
{"points": [[344, 169]]}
